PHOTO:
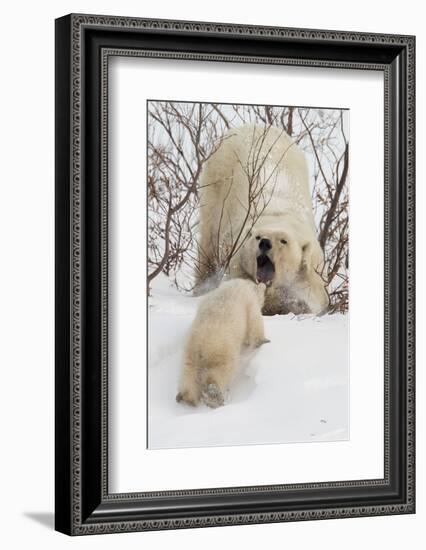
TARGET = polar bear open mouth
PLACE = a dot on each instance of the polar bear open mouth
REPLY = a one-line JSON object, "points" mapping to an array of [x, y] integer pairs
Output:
{"points": [[265, 269]]}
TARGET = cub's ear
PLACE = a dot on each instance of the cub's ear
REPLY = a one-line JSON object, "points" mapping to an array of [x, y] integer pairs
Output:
{"points": [[312, 256]]}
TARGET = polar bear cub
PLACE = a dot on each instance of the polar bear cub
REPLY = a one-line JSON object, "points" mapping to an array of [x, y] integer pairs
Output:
{"points": [[228, 320]]}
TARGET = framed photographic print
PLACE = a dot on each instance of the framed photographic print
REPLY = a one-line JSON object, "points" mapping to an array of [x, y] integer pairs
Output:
{"points": [[234, 274]]}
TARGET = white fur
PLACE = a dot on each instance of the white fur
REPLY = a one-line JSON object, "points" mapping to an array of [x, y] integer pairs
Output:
{"points": [[228, 320], [277, 169]]}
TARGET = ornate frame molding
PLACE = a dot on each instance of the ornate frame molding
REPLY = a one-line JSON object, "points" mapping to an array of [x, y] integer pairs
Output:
{"points": [[76, 510]]}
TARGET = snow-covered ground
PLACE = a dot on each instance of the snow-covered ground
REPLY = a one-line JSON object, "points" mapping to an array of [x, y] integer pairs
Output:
{"points": [[293, 389]]}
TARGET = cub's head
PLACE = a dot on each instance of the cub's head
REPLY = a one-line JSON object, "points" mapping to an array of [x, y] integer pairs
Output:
{"points": [[277, 256]]}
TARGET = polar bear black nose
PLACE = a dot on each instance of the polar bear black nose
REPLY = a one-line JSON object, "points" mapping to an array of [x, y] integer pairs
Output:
{"points": [[265, 245]]}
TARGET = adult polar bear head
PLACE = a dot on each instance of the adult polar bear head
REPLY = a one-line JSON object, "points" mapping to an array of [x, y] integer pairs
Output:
{"points": [[284, 256], [256, 219]]}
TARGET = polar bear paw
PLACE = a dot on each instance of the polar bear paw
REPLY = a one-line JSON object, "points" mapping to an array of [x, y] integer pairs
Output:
{"points": [[212, 396]]}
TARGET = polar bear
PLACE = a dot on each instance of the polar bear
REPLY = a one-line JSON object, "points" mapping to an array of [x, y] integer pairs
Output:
{"points": [[228, 321], [256, 220]]}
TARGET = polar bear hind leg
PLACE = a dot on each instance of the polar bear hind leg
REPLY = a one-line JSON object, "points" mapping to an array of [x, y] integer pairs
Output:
{"points": [[189, 391], [217, 379], [207, 383]]}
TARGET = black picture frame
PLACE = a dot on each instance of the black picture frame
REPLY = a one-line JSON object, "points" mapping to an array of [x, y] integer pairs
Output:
{"points": [[83, 504]]}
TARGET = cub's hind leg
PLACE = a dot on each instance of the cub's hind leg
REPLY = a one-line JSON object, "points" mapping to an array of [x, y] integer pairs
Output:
{"points": [[189, 388], [216, 382]]}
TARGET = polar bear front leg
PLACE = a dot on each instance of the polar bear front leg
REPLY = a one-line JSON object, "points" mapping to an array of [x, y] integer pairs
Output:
{"points": [[255, 328], [310, 290]]}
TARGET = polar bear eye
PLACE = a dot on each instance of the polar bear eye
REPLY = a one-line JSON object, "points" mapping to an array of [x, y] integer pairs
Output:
{"points": [[257, 237], [283, 241]]}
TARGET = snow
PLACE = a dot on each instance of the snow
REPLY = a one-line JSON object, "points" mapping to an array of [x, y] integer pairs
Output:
{"points": [[293, 389]]}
